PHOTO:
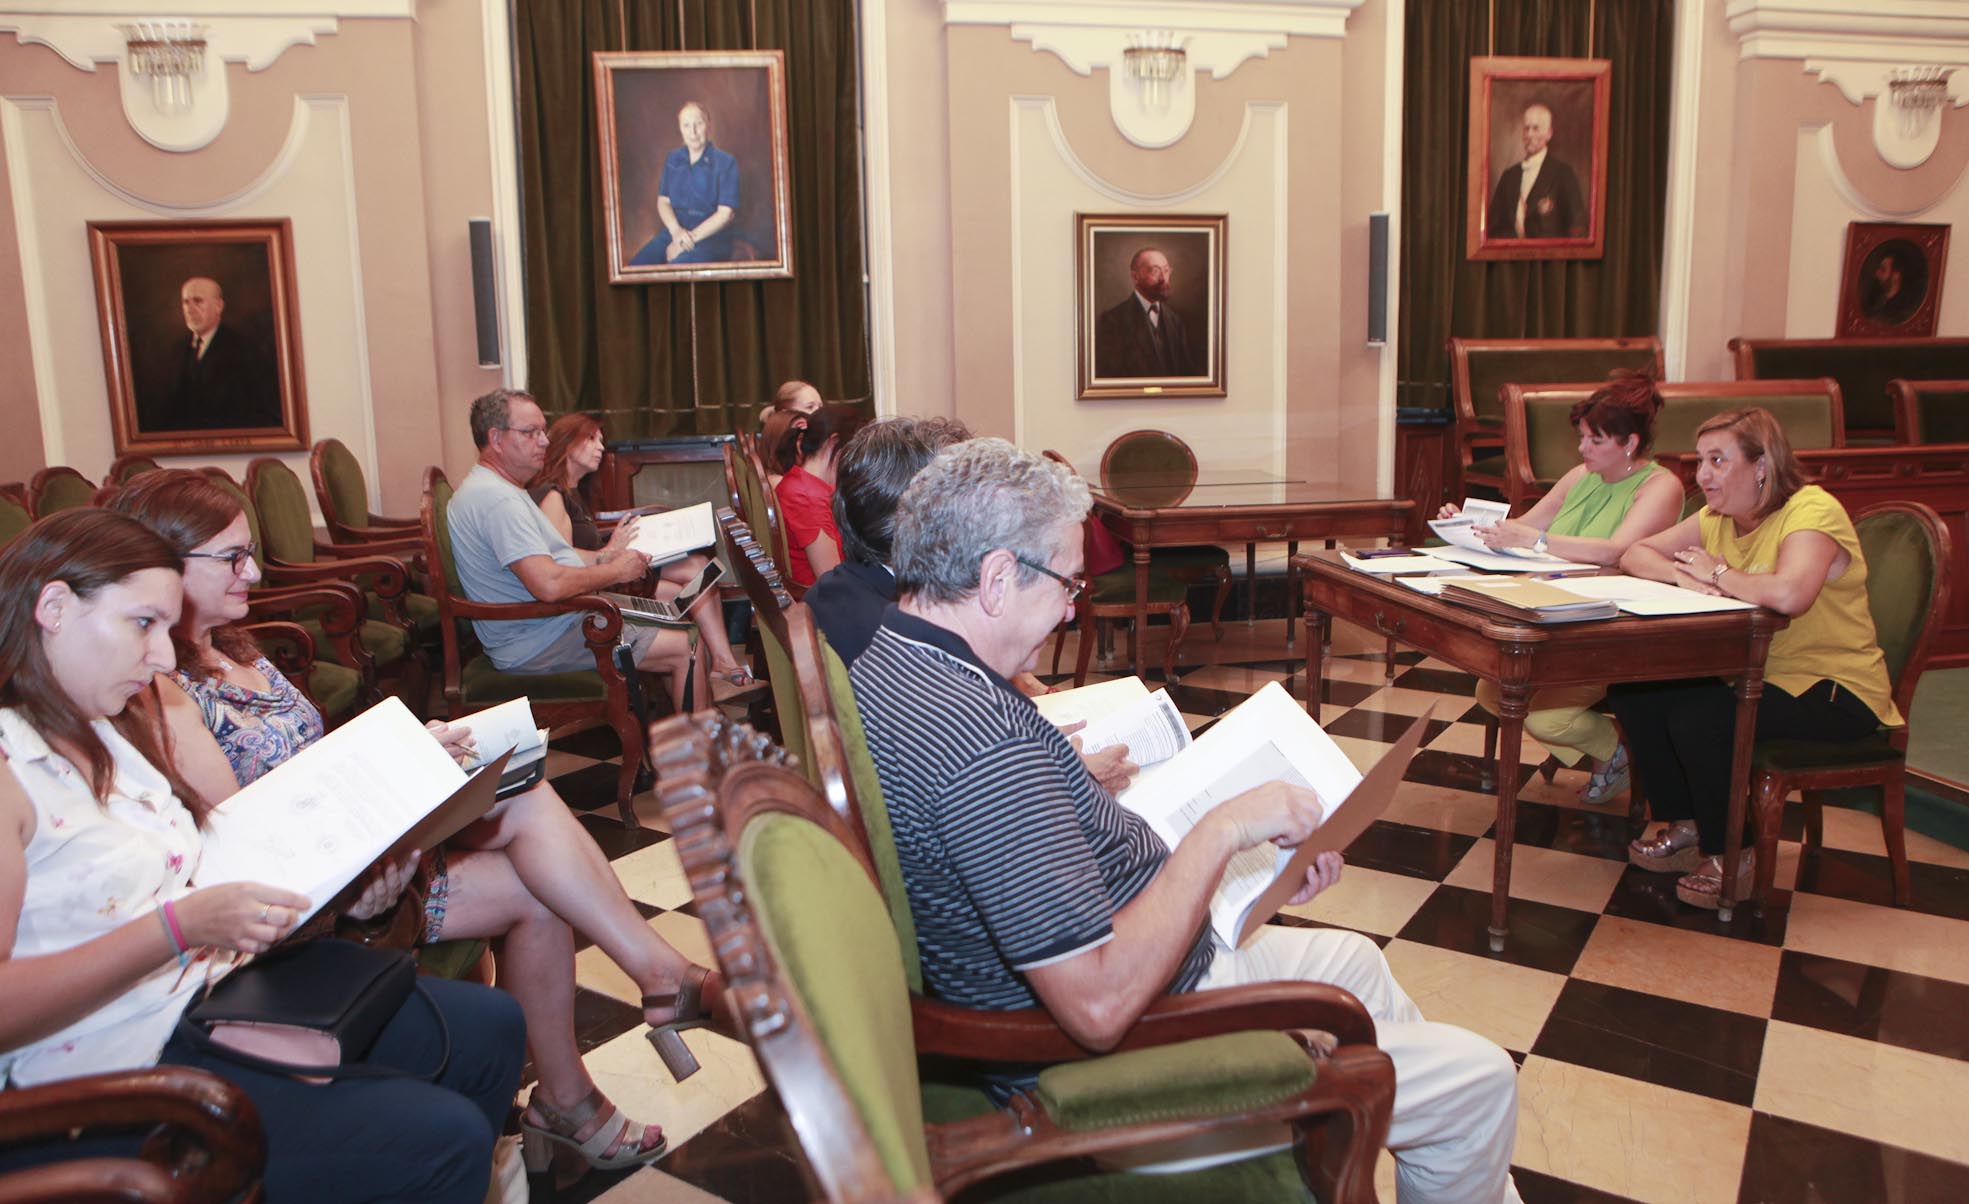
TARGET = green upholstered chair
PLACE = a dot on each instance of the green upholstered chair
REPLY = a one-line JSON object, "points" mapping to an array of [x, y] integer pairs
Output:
{"points": [[1541, 444], [1930, 411], [1861, 366], [58, 487], [330, 615], [201, 1138], [1908, 553], [816, 983], [343, 494], [15, 517], [278, 510], [1480, 368], [602, 696], [289, 538], [758, 506], [766, 590], [124, 467]]}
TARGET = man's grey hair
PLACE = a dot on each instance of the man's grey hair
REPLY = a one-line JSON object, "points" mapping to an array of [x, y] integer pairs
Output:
{"points": [[490, 412], [871, 472], [975, 498]]}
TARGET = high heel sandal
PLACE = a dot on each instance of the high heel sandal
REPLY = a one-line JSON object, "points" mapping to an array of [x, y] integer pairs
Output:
{"points": [[688, 1010], [1704, 887], [1609, 780], [1676, 849], [538, 1142]]}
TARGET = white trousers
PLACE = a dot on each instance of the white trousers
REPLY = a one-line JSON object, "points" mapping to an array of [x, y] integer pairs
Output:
{"points": [[1456, 1094]]}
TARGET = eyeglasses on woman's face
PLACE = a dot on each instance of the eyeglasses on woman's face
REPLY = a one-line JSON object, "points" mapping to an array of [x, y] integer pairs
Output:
{"points": [[233, 557]]}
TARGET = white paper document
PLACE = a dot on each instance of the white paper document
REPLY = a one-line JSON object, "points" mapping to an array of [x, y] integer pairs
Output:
{"points": [[1121, 711], [1639, 596], [674, 534], [508, 725], [326, 815], [1510, 562], [1267, 738], [1419, 562]]}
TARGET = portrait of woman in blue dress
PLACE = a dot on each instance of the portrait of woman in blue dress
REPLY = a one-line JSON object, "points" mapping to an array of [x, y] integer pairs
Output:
{"points": [[697, 197]]}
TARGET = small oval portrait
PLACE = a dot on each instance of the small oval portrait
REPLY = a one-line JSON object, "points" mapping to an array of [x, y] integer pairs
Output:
{"points": [[1893, 281]]}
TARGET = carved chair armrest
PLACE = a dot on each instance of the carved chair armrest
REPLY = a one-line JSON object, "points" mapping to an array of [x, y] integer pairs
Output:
{"points": [[1031, 1035], [1353, 1094], [213, 1113], [380, 526], [384, 576], [289, 647], [602, 626], [125, 1180], [342, 620]]}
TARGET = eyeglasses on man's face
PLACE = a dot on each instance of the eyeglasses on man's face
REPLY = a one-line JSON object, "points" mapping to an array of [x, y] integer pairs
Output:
{"points": [[526, 432], [233, 557], [1075, 585]]}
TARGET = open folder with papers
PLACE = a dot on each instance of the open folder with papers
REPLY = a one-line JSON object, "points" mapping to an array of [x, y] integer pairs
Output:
{"points": [[378, 784]]}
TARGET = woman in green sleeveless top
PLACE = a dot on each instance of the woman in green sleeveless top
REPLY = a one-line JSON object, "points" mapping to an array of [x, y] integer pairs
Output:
{"points": [[1616, 496]]}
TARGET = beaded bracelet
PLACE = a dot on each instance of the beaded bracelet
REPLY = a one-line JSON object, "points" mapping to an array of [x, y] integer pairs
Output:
{"points": [[171, 929]]}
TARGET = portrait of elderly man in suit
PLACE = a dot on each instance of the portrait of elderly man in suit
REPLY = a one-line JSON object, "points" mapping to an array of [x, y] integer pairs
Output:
{"points": [[219, 377], [1538, 196], [1143, 335]]}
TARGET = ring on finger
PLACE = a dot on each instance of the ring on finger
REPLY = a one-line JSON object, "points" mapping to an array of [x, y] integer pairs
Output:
{"points": [[265, 912]]}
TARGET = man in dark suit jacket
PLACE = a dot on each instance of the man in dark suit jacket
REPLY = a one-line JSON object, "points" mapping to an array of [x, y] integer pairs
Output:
{"points": [[1142, 336], [218, 380], [1552, 207]]}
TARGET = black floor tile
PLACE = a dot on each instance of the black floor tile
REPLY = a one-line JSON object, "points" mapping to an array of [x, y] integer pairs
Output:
{"points": [[1407, 849], [1292, 921], [1684, 1046], [598, 742], [1573, 830], [748, 1156], [616, 840], [1542, 936], [1537, 1188], [1441, 681], [1642, 895], [589, 787], [1195, 700], [1938, 890], [1790, 1162], [1337, 692], [1363, 724], [598, 1019], [1889, 1006], [1458, 771]]}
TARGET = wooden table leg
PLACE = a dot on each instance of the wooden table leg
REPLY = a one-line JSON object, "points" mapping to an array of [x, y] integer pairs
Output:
{"points": [[1511, 701], [1318, 624], [1141, 629], [1250, 584], [1292, 587], [1750, 687]]}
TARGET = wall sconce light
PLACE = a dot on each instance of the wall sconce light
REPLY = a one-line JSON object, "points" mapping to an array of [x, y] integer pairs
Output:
{"points": [[1156, 62], [171, 53], [1918, 94]]}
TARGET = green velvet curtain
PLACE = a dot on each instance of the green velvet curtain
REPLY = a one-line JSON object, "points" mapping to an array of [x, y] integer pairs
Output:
{"points": [[1445, 294], [700, 358]]}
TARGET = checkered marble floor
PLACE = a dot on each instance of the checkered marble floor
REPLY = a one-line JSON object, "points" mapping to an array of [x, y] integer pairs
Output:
{"points": [[1816, 1053]]}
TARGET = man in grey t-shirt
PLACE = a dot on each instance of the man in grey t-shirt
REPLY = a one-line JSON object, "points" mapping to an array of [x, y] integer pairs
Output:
{"points": [[507, 551]]}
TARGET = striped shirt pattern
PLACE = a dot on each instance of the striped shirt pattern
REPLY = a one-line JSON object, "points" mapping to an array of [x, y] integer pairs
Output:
{"points": [[1012, 855]]}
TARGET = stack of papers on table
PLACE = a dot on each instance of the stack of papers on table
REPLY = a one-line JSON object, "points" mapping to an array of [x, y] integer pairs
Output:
{"points": [[1466, 547], [1638, 596], [1539, 601], [1381, 563]]}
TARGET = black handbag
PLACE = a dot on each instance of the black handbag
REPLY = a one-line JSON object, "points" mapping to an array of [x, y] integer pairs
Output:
{"points": [[312, 1010]]}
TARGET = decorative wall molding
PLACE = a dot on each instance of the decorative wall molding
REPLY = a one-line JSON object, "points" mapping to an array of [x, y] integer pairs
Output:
{"points": [[503, 131], [1685, 127], [1861, 81], [1908, 32], [1091, 35], [254, 33]]}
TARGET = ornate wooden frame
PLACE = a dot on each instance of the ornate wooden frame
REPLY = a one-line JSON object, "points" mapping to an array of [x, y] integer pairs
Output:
{"points": [[1867, 240], [1089, 301], [1485, 74]]}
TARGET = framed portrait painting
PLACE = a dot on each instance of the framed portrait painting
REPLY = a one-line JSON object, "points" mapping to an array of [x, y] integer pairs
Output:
{"points": [[694, 177], [1892, 281], [201, 336], [1537, 185], [1149, 305]]}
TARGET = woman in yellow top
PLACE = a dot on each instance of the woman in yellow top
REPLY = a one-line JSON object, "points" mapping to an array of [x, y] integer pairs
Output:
{"points": [[1764, 536], [1616, 495]]}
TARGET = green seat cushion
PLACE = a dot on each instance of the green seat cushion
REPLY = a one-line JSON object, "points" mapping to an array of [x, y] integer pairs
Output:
{"points": [[66, 493], [1210, 1076], [421, 608], [1488, 466], [1863, 371], [830, 937], [945, 1102], [1944, 414], [13, 519], [450, 959], [347, 491], [285, 524], [874, 811], [1117, 587], [1491, 368], [1793, 756], [1272, 1179], [336, 689], [385, 641], [481, 682]]}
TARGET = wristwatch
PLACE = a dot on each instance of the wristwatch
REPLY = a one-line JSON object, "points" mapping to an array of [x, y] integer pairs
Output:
{"points": [[1716, 574], [1538, 545]]}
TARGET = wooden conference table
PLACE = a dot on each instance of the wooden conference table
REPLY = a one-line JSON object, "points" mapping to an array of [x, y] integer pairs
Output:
{"points": [[1523, 656], [1232, 508]]}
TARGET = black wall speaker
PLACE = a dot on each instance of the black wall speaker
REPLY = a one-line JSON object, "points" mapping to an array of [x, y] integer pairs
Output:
{"points": [[1377, 279], [485, 293]]}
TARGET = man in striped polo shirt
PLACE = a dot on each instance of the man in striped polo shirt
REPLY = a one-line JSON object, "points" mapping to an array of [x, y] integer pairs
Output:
{"points": [[1031, 887]]}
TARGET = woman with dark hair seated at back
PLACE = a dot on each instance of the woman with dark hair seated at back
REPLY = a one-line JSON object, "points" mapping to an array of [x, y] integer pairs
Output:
{"points": [[805, 458], [527, 875], [574, 452], [1614, 496], [1763, 535], [108, 936]]}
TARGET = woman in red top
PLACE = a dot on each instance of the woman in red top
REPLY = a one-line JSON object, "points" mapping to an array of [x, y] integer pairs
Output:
{"points": [[806, 498]]}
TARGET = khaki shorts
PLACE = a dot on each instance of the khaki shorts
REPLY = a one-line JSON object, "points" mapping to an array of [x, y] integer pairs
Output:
{"points": [[571, 653]]}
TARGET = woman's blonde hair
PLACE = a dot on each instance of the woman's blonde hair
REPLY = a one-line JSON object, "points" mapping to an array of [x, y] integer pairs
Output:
{"points": [[1759, 437]]}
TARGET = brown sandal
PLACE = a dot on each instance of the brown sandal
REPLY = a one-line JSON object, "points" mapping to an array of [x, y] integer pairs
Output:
{"points": [[557, 1128], [1676, 849], [687, 1010], [1704, 887]]}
